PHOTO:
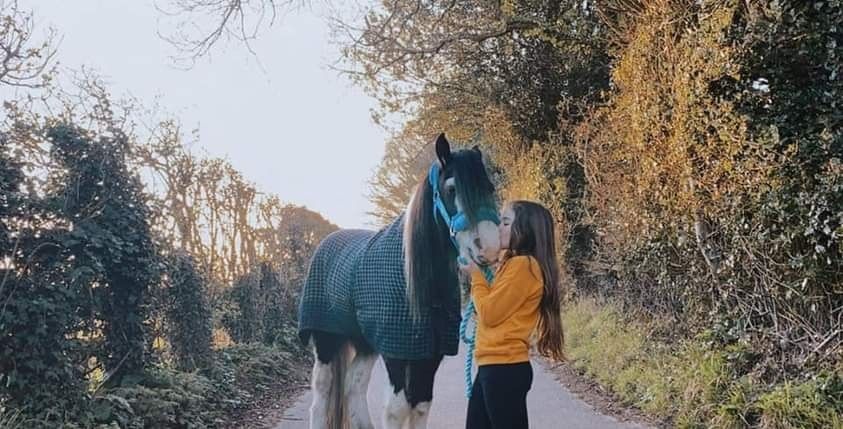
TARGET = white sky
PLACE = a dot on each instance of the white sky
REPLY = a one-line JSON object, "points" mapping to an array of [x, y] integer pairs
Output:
{"points": [[289, 124]]}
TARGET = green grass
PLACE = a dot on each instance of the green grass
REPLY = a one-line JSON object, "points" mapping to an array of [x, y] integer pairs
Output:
{"points": [[692, 384], [803, 405]]}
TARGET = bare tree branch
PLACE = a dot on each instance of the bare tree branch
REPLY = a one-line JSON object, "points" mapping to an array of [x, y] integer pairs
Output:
{"points": [[23, 61], [202, 24]]}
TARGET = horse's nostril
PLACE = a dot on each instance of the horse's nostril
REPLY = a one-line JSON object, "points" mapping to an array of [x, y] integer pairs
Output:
{"points": [[478, 244]]}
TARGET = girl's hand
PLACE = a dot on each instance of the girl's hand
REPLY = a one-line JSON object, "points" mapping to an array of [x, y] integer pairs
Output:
{"points": [[467, 265]]}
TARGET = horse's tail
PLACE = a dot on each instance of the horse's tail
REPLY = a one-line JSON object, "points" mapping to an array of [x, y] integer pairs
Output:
{"points": [[336, 397]]}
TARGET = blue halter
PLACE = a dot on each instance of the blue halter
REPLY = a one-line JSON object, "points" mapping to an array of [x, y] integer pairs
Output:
{"points": [[459, 222]]}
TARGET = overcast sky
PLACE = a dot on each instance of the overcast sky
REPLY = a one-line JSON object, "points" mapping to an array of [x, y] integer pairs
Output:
{"points": [[289, 124]]}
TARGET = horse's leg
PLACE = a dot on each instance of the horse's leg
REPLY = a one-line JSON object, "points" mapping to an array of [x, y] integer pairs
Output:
{"points": [[397, 411], [326, 374], [420, 390], [321, 381], [357, 386]]}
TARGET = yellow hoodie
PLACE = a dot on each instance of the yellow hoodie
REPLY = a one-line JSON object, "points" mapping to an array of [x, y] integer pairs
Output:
{"points": [[508, 311]]}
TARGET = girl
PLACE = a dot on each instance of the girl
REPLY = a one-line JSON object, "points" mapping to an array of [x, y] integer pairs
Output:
{"points": [[523, 296]]}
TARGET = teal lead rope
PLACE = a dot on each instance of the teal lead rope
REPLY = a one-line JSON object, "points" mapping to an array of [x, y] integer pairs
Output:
{"points": [[468, 315], [459, 222]]}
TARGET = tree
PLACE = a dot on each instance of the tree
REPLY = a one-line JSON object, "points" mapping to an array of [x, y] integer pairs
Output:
{"points": [[405, 161], [208, 208], [110, 238], [288, 242], [23, 61], [460, 64], [524, 57], [264, 302], [39, 297], [203, 205]]}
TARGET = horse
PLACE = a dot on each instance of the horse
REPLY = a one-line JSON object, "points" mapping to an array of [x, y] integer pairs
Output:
{"points": [[395, 293]]}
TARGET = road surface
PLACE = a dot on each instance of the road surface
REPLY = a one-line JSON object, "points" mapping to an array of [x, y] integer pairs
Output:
{"points": [[550, 405]]}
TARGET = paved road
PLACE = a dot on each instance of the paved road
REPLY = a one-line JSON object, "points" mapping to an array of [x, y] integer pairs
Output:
{"points": [[550, 405]]}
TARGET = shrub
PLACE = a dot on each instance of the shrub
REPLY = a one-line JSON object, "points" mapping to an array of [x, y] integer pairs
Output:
{"points": [[258, 308], [189, 319], [714, 174]]}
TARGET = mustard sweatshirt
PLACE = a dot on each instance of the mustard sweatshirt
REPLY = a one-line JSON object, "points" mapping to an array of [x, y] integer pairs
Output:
{"points": [[508, 311]]}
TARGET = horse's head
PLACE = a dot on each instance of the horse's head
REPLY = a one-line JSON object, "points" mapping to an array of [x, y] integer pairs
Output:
{"points": [[465, 200], [454, 204]]}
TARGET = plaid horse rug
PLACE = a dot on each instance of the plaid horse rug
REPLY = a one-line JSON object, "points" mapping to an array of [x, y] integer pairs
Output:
{"points": [[355, 287]]}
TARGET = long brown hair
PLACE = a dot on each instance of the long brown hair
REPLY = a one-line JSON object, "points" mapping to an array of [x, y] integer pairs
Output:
{"points": [[532, 233]]}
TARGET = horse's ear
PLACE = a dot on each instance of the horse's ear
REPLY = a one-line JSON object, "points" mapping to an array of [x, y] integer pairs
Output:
{"points": [[443, 149]]}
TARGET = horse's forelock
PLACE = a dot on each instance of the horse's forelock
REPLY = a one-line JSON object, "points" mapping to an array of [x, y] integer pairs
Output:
{"points": [[474, 188]]}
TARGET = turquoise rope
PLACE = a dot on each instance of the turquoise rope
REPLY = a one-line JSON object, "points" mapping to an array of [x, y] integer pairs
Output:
{"points": [[459, 222], [469, 341]]}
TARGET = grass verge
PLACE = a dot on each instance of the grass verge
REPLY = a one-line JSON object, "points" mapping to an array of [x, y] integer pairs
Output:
{"points": [[693, 384]]}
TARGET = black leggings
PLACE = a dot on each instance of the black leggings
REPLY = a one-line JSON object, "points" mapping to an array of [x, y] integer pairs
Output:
{"points": [[499, 397]]}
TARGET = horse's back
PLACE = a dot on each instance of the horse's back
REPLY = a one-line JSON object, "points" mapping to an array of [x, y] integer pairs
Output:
{"points": [[326, 300], [356, 287]]}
